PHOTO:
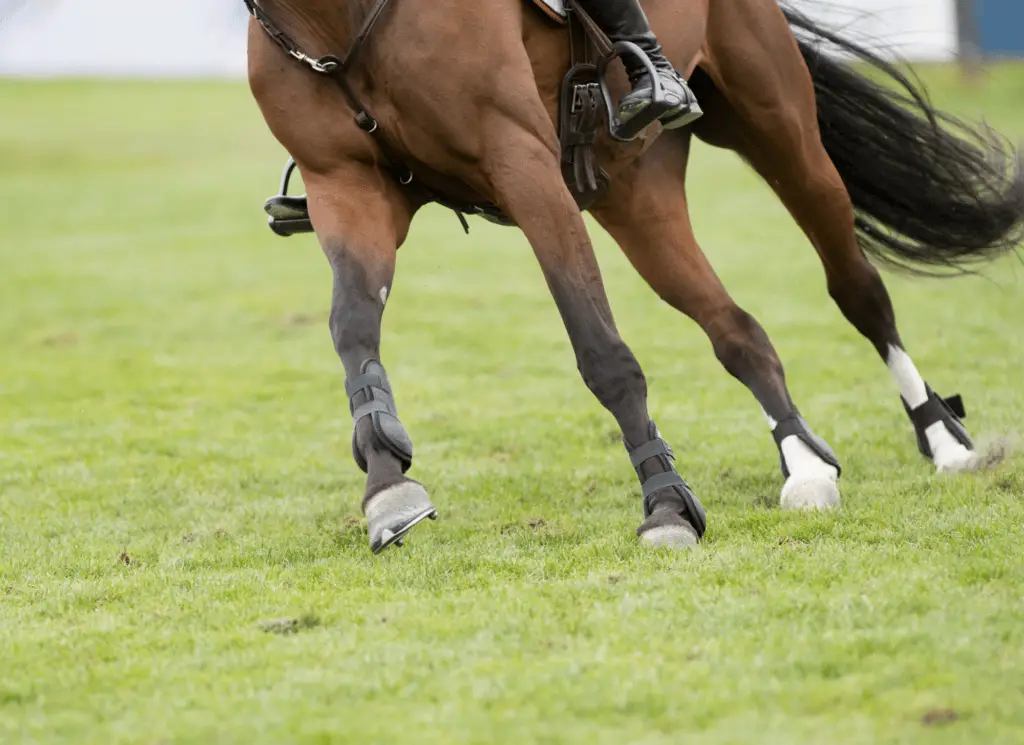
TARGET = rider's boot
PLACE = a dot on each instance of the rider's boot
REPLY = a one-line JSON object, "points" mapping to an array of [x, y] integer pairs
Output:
{"points": [[624, 20]]}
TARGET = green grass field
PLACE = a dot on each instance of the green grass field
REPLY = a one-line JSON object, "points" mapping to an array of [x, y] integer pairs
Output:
{"points": [[175, 476]]}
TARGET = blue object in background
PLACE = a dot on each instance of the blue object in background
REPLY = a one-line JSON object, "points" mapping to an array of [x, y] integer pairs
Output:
{"points": [[1001, 27]]}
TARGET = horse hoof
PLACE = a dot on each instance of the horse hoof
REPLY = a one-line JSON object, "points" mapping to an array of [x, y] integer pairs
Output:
{"points": [[670, 536], [955, 458], [820, 493], [392, 513]]}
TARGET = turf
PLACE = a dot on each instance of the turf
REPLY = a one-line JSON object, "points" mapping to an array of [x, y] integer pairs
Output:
{"points": [[183, 554]]}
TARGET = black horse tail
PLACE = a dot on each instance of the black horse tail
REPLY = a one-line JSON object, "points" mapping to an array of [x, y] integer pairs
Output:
{"points": [[931, 193]]}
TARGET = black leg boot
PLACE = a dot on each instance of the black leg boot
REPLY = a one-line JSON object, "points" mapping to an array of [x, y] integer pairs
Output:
{"points": [[624, 20]]}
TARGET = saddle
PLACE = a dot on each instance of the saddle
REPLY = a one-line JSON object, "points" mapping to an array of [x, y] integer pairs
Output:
{"points": [[585, 104]]}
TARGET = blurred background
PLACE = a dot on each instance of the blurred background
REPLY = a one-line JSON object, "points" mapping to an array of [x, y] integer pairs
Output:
{"points": [[199, 37]]}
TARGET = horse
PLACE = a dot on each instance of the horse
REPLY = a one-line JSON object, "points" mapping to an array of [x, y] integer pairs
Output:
{"points": [[465, 97]]}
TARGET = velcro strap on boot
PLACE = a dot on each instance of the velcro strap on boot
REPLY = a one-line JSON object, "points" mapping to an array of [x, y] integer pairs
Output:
{"points": [[649, 450], [379, 405]]}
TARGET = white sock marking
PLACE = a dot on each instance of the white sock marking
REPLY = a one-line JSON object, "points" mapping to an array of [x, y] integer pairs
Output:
{"points": [[909, 380]]}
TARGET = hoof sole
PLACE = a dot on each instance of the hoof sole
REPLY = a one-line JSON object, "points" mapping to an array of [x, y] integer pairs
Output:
{"points": [[392, 513], [810, 494], [670, 536]]}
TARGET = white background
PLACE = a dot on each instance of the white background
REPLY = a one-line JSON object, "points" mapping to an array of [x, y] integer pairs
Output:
{"points": [[207, 37]]}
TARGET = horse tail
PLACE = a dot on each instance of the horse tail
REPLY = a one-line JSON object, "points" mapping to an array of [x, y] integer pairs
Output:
{"points": [[931, 193]]}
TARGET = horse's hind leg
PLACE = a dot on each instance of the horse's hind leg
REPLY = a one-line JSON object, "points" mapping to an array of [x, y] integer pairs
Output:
{"points": [[646, 213], [762, 106]]}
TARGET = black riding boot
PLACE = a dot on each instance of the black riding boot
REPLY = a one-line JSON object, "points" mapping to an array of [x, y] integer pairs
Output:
{"points": [[624, 20]]}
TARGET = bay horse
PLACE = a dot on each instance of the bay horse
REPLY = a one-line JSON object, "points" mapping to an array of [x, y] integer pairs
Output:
{"points": [[466, 95]]}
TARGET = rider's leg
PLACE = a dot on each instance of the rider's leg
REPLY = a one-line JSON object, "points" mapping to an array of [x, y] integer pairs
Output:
{"points": [[624, 20]]}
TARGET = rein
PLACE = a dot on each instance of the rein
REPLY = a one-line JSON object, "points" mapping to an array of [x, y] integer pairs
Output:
{"points": [[337, 69]]}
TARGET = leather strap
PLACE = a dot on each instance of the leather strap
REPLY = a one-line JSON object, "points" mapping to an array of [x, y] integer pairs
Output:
{"points": [[594, 31]]}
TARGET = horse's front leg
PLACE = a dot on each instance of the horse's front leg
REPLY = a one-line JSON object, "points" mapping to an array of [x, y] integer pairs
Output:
{"points": [[360, 220], [523, 169]]}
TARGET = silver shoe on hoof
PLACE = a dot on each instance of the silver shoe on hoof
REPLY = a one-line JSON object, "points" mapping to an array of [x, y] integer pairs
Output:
{"points": [[392, 513], [670, 536]]}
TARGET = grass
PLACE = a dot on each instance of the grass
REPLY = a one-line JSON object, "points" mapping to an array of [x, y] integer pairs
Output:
{"points": [[183, 555]]}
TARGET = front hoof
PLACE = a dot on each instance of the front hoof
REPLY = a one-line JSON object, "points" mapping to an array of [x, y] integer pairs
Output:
{"points": [[393, 512], [669, 531], [810, 493]]}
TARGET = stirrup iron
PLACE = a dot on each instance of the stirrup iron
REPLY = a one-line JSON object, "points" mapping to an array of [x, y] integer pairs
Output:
{"points": [[288, 216], [659, 106]]}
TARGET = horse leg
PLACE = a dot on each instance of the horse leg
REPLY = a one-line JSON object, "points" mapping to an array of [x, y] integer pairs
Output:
{"points": [[522, 164], [763, 107], [361, 217], [360, 221], [646, 212]]}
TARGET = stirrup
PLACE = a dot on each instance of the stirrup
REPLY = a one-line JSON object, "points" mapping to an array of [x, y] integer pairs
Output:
{"points": [[288, 215], [629, 131]]}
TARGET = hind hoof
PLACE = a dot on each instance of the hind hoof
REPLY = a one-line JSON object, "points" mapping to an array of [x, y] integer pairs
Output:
{"points": [[392, 513], [810, 494]]}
